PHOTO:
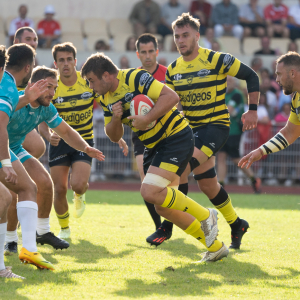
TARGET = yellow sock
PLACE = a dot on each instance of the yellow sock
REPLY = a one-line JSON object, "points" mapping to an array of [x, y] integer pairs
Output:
{"points": [[63, 220], [177, 200], [227, 210], [195, 230]]}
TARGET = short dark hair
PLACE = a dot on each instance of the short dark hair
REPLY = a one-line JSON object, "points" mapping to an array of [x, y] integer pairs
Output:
{"points": [[186, 19], [98, 63], [3, 56], [64, 47], [290, 59], [145, 39], [43, 72], [20, 55], [20, 31]]}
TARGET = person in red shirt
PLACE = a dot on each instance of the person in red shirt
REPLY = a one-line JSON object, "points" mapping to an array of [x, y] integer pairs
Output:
{"points": [[201, 9], [48, 29], [147, 51], [276, 16]]}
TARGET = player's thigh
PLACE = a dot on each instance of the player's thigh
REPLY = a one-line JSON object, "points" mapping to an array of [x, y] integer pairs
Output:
{"points": [[34, 144], [5, 198], [24, 182], [139, 162], [81, 171], [38, 173], [60, 175]]}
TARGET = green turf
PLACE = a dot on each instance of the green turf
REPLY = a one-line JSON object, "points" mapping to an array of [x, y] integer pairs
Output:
{"points": [[109, 259]]}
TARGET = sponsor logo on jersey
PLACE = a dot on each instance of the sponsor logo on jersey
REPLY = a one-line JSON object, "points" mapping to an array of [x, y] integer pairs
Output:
{"points": [[73, 102], [297, 110], [227, 60], [213, 145], [71, 89], [195, 97], [174, 159], [128, 97], [177, 77], [116, 94], [202, 61], [77, 117], [144, 78], [109, 106], [190, 66], [86, 95], [203, 73], [59, 100], [190, 79]]}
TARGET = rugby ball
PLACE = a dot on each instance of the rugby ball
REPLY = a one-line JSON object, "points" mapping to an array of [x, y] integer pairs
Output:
{"points": [[140, 105]]}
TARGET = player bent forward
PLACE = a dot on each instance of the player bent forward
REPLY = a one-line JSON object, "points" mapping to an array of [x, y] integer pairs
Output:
{"points": [[170, 137], [288, 76]]}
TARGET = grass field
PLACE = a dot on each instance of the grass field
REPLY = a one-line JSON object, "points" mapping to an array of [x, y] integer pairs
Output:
{"points": [[109, 258]]}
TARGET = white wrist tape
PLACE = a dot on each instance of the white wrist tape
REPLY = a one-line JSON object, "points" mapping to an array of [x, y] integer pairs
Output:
{"points": [[156, 180], [275, 144], [6, 162]]}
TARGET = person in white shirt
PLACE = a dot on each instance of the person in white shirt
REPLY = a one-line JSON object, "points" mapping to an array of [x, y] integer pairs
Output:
{"points": [[294, 21]]}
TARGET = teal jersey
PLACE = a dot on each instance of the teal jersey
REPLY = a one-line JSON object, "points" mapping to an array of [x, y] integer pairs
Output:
{"points": [[9, 97], [236, 100], [27, 118]]}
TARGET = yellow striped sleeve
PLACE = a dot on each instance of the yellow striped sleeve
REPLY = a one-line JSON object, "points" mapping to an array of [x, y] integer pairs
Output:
{"points": [[293, 115], [169, 82]]}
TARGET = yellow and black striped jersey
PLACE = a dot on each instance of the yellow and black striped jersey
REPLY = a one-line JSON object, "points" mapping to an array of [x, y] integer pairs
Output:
{"points": [[21, 87], [295, 110], [131, 83], [75, 105], [201, 86]]}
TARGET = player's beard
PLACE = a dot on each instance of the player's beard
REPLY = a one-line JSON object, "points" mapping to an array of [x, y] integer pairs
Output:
{"points": [[42, 100], [288, 89], [190, 50], [26, 79]]}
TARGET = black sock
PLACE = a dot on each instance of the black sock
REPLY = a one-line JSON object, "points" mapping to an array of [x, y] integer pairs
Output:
{"points": [[253, 179], [184, 188], [154, 215], [167, 225], [236, 224]]}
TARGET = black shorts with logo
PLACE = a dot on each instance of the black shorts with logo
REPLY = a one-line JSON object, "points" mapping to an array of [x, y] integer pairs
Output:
{"points": [[138, 146], [210, 138], [232, 146], [171, 154], [64, 155]]}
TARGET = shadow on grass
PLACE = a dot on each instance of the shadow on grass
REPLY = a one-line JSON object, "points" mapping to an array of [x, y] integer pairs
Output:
{"points": [[193, 279], [34, 277]]}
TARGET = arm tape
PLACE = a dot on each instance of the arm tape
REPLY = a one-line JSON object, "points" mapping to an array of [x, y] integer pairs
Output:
{"points": [[275, 144], [246, 73]]}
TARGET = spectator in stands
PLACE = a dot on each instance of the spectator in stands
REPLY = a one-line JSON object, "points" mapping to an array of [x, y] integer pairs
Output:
{"points": [[202, 10], [21, 21], [265, 73], [225, 19], [282, 117], [256, 65], [276, 19], [48, 30], [208, 39], [101, 46], [294, 21], [169, 12], [283, 99], [270, 93], [124, 62], [130, 44], [265, 47], [163, 61], [262, 110], [215, 46], [145, 17], [292, 46], [252, 19]]}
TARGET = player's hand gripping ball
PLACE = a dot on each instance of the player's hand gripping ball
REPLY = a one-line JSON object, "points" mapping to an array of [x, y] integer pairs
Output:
{"points": [[140, 105]]}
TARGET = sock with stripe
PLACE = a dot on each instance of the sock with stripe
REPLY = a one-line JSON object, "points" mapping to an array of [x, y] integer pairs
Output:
{"points": [[222, 202], [3, 227], [63, 220], [195, 231], [177, 200]]}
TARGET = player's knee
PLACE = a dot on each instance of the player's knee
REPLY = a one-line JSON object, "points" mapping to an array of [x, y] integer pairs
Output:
{"points": [[80, 187], [147, 194], [60, 190]]}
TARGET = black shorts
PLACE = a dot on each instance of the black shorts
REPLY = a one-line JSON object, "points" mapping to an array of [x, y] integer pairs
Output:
{"points": [[138, 146], [171, 154], [210, 138], [232, 146], [64, 155]]}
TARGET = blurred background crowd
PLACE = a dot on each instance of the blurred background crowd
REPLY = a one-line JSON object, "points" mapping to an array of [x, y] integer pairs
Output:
{"points": [[256, 31]]}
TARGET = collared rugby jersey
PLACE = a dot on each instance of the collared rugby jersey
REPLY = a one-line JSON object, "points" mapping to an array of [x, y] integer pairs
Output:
{"points": [[75, 106], [201, 86], [159, 73], [131, 83]]}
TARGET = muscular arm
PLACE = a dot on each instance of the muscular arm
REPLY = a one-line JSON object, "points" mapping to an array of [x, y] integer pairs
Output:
{"points": [[114, 129], [44, 131], [4, 149], [291, 132], [71, 136]]}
